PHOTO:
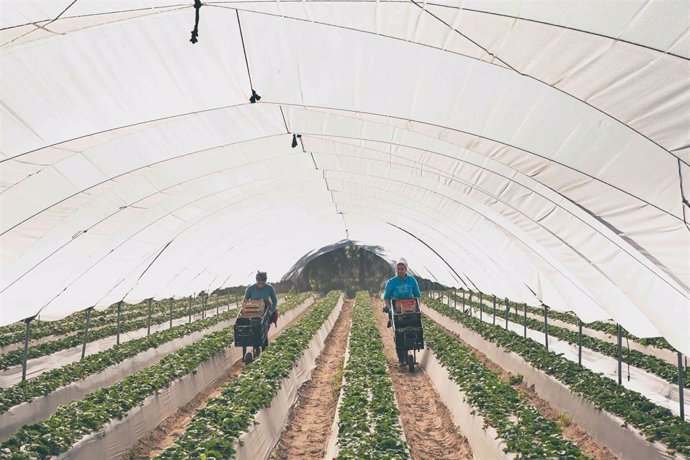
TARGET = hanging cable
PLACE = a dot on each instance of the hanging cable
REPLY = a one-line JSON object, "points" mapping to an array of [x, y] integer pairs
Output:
{"points": [[254, 98], [195, 32]]}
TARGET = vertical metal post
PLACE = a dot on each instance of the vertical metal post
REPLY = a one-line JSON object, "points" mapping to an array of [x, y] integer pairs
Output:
{"points": [[189, 309], [469, 304], [203, 306], [217, 305], [228, 301], [507, 312], [579, 343], [546, 327], [455, 298], [237, 298], [171, 311], [117, 328], [462, 291], [524, 323], [494, 310], [620, 354], [27, 332], [148, 321], [681, 386], [86, 332], [481, 307]]}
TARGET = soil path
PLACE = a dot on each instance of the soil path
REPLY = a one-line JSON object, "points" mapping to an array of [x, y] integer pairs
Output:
{"points": [[428, 425], [309, 424]]}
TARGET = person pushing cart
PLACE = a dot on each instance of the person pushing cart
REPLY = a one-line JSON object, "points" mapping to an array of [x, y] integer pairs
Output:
{"points": [[401, 297]]}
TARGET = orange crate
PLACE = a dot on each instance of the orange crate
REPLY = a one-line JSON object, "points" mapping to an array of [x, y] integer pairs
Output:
{"points": [[252, 308], [406, 306]]}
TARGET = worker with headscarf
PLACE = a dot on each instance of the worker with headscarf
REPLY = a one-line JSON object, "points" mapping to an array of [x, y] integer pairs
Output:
{"points": [[401, 286]]}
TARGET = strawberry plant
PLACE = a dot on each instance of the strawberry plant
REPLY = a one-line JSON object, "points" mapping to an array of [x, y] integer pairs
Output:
{"points": [[73, 421], [369, 418], [216, 428], [654, 422]]}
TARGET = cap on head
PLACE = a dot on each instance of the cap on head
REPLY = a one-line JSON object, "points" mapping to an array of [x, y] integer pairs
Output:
{"points": [[402, 262], [261, 276]]}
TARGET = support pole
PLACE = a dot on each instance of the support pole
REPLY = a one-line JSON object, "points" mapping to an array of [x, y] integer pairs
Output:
{"points": [[507, 312], [203, 306], [455, 298], [148, 321], [546, 327], [463, 299], [189, 309], [469, 304], [494, 310], [524, 323], [86, 332], [481, 307], [579, 343], [117, 328], [171, 311], [620, 353], [217, 305], [681, 386], [27, 332]]}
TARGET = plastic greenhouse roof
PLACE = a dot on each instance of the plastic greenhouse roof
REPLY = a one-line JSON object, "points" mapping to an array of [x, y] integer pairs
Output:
{"points": [[534, 150]]}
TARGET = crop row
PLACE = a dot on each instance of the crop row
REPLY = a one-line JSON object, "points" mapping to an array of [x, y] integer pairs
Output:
{"points": [[526, 431], [215, 429], [571, 318], [49, 381], [15, 357], [75, 321], [73, 421], [655, 422], [652, 364], [369, 424], [14, 333]]}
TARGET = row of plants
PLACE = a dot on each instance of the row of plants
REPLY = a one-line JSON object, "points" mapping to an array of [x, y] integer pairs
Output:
{"points": [[73, 421], [369, 424], [15, 357], [571, 318], [641, 360], [214, 430], [527, 433], [74, 323], [14, 333], [654, 422], [50, 381]]}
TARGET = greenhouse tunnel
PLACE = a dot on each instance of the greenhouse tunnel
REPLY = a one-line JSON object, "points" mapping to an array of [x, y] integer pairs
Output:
{"points": [[542, 151], [526, 158]]}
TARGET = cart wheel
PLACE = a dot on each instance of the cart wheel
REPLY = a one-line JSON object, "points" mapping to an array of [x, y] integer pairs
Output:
{"points": [[410, 363], [257, 351], [265, 345], [248, 358]]}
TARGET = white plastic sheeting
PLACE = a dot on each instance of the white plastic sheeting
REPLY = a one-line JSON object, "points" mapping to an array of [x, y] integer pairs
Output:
{"points": [[535, 150]]}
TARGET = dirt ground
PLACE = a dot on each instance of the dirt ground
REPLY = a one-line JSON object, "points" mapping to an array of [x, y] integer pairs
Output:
{"points": [[427, 423], [310, 420], [571, 430]]}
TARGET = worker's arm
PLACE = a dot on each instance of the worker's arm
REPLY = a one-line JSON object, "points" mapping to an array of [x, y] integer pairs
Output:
{"points": [[274, 299], [387, 296]]}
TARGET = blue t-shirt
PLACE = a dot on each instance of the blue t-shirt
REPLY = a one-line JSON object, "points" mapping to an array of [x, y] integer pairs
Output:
{"points": [[267, 292], [401, 288]]}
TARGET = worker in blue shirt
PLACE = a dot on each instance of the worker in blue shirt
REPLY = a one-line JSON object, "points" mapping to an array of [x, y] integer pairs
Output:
{"points": [[401, 286], [261, 290]]}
